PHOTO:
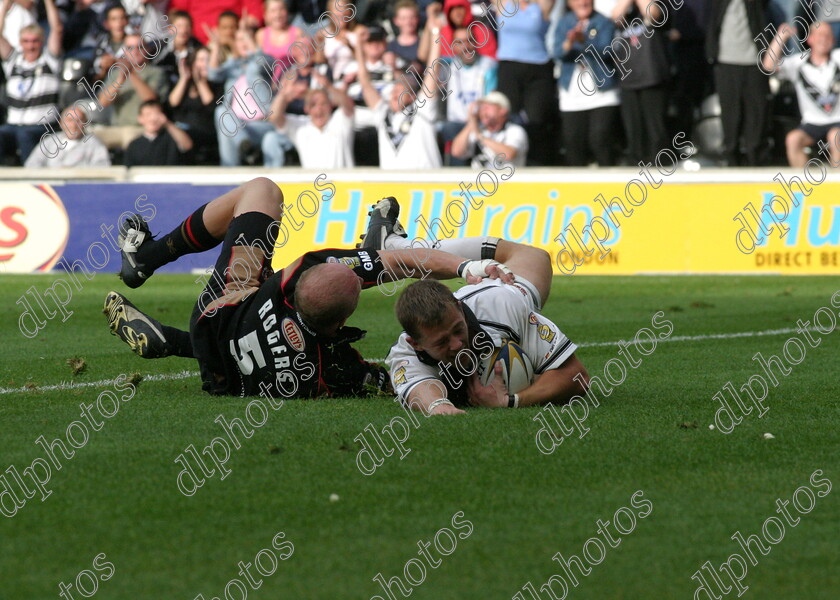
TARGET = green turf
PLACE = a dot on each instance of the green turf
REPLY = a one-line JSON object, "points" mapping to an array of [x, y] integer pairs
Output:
{"points": [[118, 495]]}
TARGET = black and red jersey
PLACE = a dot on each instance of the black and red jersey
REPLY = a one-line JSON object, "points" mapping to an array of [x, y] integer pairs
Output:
{"points": [[254, 340]]}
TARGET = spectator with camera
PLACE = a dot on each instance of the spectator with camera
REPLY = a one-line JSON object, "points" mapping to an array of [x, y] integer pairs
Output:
{"points": [[488, 132], [471, 77]]}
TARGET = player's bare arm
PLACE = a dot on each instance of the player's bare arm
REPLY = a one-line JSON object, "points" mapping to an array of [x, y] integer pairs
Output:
{"points": [[423, 262], [557, 386], [430, 398]]}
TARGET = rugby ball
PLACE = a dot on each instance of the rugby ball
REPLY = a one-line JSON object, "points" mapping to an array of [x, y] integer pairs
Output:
{"points": [[517, 370]]}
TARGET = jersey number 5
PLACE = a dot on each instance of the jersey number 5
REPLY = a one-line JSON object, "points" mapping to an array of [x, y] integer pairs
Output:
{"points": [[248, 345]]}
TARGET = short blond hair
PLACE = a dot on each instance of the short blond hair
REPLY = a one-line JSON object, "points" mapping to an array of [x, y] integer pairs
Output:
{"points": [[33, 28], [312, 92]]}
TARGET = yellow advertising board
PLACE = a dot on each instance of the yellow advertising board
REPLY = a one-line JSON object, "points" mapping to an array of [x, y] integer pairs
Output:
{"points": [[675, 228]]}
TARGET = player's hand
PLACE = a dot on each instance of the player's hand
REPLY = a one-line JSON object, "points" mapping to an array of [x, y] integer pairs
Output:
{"points": [[500, 271], [473, 271], [493, 395]]}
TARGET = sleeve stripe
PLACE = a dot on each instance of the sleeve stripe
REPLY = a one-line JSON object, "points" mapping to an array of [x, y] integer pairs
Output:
{"points": [[502, 327], [559, 352], [474, 292]]}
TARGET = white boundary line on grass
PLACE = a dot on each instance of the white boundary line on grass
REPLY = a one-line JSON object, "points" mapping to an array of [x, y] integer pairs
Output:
{"points": [[188, 374], [709, 336], [64, 385]]}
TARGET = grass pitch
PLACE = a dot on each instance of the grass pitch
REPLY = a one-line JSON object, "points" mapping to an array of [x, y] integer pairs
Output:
{"points": [[118, 494]]}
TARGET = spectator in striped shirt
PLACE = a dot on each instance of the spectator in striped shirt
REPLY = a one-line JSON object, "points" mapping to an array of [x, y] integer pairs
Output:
{"points": [[32, 83]]}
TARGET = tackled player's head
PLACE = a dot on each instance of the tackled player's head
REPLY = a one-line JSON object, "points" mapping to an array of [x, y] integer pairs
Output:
{"points": [[433, 319], [326, 295]]}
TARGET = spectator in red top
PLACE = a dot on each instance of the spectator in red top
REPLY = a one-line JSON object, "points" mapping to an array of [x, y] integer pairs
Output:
{"points": [[458, 15], [206, 12]]}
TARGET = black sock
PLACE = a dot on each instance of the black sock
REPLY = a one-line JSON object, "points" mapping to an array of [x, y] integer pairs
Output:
{"points": [[177, 341], [189, 237]]}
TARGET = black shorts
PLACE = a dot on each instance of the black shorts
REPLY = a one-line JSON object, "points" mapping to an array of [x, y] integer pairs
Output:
{"points": [[244, 262], [817, 132], [243, 265]]}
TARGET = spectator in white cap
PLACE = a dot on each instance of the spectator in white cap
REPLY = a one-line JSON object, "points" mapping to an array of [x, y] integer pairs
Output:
{"points": [[489, 133]]}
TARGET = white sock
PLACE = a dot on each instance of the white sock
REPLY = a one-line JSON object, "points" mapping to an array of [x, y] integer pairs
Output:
{"points": [[473, 248]]}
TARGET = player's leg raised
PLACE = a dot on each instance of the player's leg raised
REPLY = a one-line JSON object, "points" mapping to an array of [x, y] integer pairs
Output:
{"points": [[533, 264]]}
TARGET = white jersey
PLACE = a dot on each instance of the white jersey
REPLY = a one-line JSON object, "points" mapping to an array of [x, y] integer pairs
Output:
{"points": [[495, 310], [408, 142], [817, 87], [327, 148]]}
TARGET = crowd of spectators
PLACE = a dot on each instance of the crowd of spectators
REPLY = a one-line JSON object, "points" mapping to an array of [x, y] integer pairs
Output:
{"points": [[405, 85]]}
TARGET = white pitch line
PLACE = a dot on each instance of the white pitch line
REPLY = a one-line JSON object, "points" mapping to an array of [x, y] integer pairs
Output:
{"points": [[710, 336], [188, 374], [67, 385]]}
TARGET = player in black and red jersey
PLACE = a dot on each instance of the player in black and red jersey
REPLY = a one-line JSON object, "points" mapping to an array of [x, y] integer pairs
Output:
{"points": [[254, 331]]}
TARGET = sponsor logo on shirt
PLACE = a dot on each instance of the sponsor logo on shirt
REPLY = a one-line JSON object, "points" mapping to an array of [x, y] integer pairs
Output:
{"points": [[349, 261], [367, 263], [293, 335], [544, 331]]}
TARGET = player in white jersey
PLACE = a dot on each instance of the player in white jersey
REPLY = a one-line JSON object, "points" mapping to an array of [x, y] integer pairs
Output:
{"points": [[816, 77], [436, 364]]}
